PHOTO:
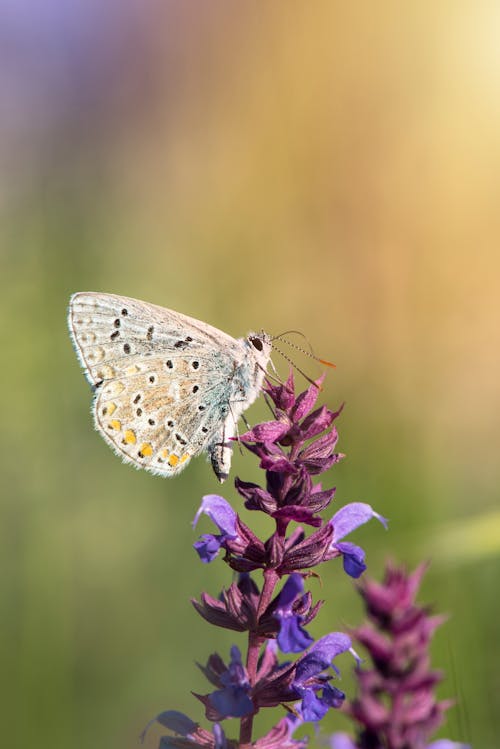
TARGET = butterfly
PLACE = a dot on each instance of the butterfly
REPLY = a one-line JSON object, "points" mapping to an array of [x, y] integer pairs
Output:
{"points": [[166, 387]]}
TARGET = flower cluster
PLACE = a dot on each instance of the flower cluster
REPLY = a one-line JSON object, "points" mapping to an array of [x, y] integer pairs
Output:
{"points": [[396, 707], [297, 445]]}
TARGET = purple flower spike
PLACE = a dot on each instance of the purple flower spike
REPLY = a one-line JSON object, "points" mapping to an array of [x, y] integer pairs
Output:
{"points": [[396, 705]]}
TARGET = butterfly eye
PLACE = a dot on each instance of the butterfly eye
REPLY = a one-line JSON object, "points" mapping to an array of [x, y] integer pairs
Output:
{"points": [[256, 343]]}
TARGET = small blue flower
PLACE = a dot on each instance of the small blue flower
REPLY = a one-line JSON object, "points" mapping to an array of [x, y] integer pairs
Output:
{"points": [[344, 521], [233, 701], [310, 678], [224, 517], [313, 708], [353, 558], [292, 637]]}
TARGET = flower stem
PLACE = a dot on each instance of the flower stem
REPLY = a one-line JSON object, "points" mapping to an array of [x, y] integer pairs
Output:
{"points": [[246, 726], [254, 645]]}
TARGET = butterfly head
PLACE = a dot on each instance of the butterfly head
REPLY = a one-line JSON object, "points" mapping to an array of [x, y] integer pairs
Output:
{"points": [[260, 345]]}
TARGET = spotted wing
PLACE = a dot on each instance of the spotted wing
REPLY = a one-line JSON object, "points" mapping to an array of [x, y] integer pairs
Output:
{"points": [[161, 379]]}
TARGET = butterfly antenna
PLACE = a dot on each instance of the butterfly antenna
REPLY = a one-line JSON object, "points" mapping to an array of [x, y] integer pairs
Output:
{"points": [[296, 367], [309, 353], [296, 332]]}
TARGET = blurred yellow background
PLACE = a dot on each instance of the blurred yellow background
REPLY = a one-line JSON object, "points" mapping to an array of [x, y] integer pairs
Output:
{"points": [[324, 166]]}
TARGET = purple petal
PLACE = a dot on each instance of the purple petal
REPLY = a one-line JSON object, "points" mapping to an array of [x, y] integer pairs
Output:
{"points": [[321, 448], [298, 514], [236, 674], [353, 558], [283, 396], [268, 431], [220, 512], [318, 500], [332, 645], [208, 547], [306, 400], [316, 422], [231, 702], [447, 744], [292, 637], [332, 696], [278, 463], [314, 466], [291, 589], [312, 708], [220, 737], [321, 655], [175, 721], [350, 517], [255, 497]]}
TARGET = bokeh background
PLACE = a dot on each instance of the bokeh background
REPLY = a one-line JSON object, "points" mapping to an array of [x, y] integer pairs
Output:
{"points": [[326, 166]]}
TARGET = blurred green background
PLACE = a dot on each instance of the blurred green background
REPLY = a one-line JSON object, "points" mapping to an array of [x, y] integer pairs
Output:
{"points": [[325, 166]]}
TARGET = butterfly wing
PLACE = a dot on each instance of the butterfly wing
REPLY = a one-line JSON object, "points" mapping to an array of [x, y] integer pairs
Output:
{"points": [[161, 379]]}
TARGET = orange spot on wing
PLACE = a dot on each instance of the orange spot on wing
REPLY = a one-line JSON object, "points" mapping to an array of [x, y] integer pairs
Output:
{"points": [[133, 369]]}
